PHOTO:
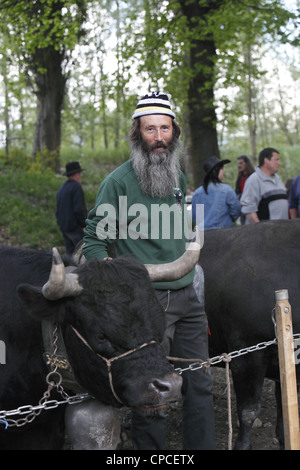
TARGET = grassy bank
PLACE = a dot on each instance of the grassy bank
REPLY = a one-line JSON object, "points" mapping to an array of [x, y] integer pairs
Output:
{"points": [[28, 195]]}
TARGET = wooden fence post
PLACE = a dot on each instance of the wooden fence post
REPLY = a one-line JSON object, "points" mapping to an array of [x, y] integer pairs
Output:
{"points": [[288, 382]]}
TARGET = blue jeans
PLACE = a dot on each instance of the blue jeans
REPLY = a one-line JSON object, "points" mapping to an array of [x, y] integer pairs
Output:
{"points": [[185, 337]]}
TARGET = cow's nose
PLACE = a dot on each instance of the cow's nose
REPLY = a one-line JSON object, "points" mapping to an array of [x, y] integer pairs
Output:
{"points": [[169, 386]]}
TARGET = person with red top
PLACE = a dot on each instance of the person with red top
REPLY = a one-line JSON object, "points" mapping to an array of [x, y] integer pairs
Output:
{"points": [[245, 169]]}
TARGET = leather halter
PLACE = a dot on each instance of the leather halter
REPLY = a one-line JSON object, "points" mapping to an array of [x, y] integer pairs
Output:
{"points": [[109, 361]]}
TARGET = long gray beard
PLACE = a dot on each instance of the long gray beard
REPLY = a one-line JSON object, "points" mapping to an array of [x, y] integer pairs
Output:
{"points": [[157, 172]]}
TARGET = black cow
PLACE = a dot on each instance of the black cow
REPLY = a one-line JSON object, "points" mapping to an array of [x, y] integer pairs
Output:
{"points": [[104, 309], [243, 267]]}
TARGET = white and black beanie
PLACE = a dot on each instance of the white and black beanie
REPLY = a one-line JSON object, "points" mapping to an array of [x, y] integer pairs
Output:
{"points": [[154, 103]]}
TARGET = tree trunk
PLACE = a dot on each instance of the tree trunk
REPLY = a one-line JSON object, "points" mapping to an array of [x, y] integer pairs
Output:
{"points": [[6, 104], [202, 114], [284, 120], [251, 104], [50, 92]]}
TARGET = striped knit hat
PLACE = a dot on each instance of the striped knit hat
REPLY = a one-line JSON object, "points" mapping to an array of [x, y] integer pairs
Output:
{"points": [[153, 103]]}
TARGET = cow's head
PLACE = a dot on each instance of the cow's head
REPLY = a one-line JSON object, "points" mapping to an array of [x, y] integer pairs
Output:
{"points": [[109, 309]]}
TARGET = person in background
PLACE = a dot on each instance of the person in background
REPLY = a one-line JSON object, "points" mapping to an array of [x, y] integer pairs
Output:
{"points": [[221, 205], [294, 198], [152, 178], [245, 169], [265, 196], [71, 210]]}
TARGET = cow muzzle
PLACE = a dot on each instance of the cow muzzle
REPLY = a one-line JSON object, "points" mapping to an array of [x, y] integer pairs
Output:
{"points": [[163, 391]]}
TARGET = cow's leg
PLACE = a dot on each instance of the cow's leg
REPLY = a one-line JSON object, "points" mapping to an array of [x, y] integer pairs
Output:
{"points": [[248, 378]]}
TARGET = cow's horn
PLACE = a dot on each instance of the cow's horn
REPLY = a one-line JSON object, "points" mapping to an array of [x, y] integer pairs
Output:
{"points": [[180, 267], [60, 283]]}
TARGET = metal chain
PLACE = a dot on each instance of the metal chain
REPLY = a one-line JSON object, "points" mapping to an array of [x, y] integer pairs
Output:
{"points": [[225, 357], [33, 411], [53, 380], [44, 404]]}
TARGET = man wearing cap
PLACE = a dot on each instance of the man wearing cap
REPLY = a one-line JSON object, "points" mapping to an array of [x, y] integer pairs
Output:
{"points": [[71, 210], [221, 205], [152, 178]]}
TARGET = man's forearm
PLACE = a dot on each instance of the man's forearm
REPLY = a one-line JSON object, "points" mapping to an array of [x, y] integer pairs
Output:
{"points": [[94, 247], [252, 217]]}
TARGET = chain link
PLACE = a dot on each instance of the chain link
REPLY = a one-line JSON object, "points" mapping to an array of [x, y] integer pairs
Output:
{"points": [[33, 411], [228, 357], [44, 404], [53, 380]]}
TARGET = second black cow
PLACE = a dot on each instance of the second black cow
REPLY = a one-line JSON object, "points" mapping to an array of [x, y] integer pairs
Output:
{"points": [[243, 267]]}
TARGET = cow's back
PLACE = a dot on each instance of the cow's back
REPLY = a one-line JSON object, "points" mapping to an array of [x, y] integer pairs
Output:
{"points": [[243, 267], [18, 266], [20, 333]]}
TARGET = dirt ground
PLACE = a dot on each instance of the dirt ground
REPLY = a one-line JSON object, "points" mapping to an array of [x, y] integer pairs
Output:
{"points": [[263, 433]]}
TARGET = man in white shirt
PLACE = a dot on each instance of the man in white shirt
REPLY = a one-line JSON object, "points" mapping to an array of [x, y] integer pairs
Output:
{"points": [[264, 196]]}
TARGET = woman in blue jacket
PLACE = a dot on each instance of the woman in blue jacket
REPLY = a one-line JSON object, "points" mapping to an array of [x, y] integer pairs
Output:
{"points": [[221, 205]]}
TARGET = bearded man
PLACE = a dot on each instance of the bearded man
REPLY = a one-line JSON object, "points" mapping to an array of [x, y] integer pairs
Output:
{"points": [[125, 214]]}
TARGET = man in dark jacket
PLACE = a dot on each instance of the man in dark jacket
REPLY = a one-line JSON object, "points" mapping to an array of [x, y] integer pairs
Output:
{"points": [[71, 210]]}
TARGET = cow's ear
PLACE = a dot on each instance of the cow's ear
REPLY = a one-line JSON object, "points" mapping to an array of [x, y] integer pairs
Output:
{"points": [[38, 307]]}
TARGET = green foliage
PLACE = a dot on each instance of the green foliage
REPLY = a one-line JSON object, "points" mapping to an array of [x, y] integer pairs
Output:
{"points": [[174, 28], [16, 159], [96, 163], [28, 194], [289, 161], [44, 33], [150, 40], [27, 199], [19, 159], [57, 23]]}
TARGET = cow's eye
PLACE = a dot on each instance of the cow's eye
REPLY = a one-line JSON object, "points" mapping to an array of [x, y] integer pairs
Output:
{"points": [[104, 348]]}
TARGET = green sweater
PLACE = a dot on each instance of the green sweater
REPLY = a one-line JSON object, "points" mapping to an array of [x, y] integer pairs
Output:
{"points": [[151, 229]]}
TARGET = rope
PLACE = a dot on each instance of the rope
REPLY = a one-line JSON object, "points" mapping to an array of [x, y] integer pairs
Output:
{"points": [[227, 360]]}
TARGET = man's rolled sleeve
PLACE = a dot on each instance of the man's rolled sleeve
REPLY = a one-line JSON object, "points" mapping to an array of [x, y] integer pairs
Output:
{"points": [[250, 197]]}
